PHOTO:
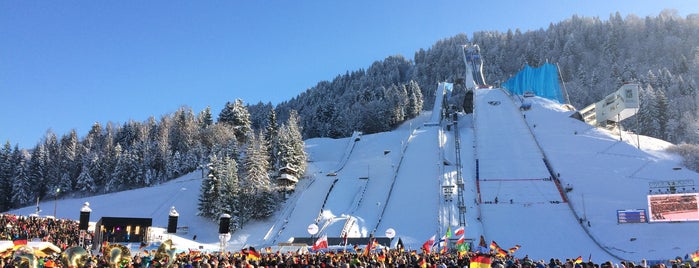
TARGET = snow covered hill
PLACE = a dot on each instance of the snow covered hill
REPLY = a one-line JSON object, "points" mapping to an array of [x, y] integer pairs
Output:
{"points": [[363, 185]]}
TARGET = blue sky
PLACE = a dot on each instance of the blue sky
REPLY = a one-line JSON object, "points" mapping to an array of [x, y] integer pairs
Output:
{"points": [[67, 64]]}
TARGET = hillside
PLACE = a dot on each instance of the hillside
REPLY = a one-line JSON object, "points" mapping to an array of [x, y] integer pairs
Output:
{"points": [[394, 180]]}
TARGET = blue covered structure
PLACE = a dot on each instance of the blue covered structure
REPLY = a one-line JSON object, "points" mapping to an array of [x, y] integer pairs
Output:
{"points": [[542, 81]]}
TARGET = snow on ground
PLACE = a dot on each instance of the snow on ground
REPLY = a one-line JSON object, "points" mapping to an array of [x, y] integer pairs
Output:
{"points": [[394, 179]]}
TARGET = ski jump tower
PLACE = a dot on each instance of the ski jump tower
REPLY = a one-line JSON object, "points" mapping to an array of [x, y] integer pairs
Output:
{"points": [[474, 66]]}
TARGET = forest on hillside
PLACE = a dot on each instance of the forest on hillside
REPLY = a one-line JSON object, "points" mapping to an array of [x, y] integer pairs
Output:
{"points": [[595, 57]]}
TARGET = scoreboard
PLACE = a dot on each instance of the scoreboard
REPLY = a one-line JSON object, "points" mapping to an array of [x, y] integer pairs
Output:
{"points": [[631, 216]]}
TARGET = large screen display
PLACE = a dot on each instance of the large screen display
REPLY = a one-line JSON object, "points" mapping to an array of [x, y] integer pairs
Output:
{"points": [[673, 207]]}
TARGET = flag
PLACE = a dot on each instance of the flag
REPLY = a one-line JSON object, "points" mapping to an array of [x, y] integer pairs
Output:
{"points": [[381, 257], [482, 242], [480, 261], [459, 231], [322, 242], [695, 257], [578, 260], [494, 246], [19, 240], [369, 246], [461, 240], [500, 252], [253, 254], [423, 263], [448, 234], [400, 246], [482, 247], [428, 244], [513, 249], [461, 248], [443, 242]]}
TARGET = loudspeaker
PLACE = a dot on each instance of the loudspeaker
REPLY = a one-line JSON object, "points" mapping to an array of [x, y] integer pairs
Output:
{"points": [[84, 220], [224, 224], [172, 224]]}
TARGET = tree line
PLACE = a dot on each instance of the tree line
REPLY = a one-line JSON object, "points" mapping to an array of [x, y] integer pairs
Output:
{"points": [[141, 154]]}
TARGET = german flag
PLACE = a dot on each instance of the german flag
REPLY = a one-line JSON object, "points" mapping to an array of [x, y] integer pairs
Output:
{"points": [[19, 240], [381, 257], [480, 261], [253, 255], [500, 252], [494, 246], [423, 263], [695, 257], [513, 249]]}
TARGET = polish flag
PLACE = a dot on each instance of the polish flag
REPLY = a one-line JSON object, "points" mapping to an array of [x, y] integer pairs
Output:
{"points": [[459, 231], [322, 242]]}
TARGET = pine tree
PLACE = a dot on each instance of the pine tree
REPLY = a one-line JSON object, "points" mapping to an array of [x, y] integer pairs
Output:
{"points": [[415, 101], [85, 182], [230, 191], [69, 160], [21, 186], [291, 145], [236, 115], [272, 138], [37, 172], [205, 118], [256, 183], [209, 204], [662, 115], [6, 176]]}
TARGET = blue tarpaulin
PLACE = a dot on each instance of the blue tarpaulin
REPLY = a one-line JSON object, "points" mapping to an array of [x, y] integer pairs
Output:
{"points": [[542, 81]]}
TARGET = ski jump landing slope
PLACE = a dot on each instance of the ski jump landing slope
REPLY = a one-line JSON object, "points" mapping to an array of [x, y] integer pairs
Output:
{"points": [[511, 169], [413, 207]]}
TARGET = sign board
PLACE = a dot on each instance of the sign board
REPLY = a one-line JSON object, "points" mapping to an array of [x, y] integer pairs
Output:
{"points": [[312, 229], [631, 216], [390, 233]]}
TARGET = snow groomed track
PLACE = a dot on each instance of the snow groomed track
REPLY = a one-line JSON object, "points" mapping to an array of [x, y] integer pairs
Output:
{"points": [[511, 169]]}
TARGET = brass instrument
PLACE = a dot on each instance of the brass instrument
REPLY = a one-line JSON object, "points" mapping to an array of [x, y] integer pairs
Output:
{"points": [[117, 255], [75, 257], [24, 257], [166, 253]]}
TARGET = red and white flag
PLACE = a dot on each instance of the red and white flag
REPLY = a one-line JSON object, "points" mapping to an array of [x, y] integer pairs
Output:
{"points": [[427, 246], [459, 231], [461, 240], [322, 242]]}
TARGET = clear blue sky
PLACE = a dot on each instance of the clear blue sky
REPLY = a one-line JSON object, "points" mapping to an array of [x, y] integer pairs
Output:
{"points": [[67, 64]]}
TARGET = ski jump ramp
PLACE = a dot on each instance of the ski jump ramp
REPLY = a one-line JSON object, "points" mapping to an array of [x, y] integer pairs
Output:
{"points": [[442, 90]]}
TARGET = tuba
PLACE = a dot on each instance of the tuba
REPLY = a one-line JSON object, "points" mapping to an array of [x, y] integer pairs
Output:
{"points": [[24, 257], [75, 257], [117, 255], [165, 253]]}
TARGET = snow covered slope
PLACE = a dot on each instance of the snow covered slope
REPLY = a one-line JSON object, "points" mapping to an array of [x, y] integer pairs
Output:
{"points": [[393, 180]]}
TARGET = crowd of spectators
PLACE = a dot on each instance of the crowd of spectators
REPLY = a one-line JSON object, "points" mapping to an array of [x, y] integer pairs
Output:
{"points": [[65, 234], [61, 232]]}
